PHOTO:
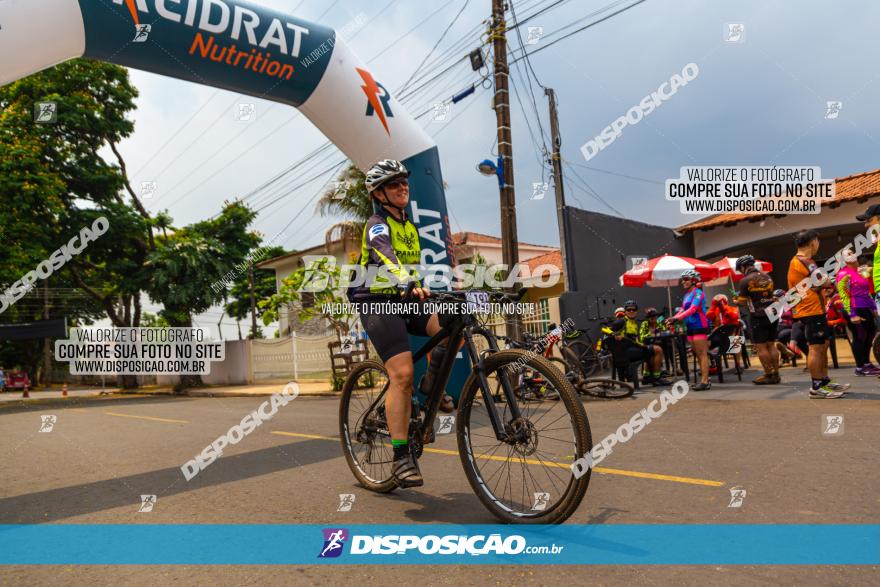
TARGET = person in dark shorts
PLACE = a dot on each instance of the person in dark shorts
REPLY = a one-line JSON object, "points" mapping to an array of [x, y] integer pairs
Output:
{"points": [[625, 351], [859, 309], [756, 293], [790, 341], [390, 242], [654, 366], [810, 311]]}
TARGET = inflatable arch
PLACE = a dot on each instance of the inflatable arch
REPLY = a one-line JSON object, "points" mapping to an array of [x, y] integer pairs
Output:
{"points": [[243, 47]]}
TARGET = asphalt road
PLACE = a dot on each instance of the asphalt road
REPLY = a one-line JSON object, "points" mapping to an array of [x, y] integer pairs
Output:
{"points": [[101, 456]]}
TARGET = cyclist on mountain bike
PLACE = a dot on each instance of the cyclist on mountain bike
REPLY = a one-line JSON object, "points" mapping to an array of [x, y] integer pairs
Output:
{"points": [[391, 241]]}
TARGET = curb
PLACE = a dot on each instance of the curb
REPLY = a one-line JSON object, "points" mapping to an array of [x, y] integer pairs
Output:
{"points": [[208, 393], [80, 399]]}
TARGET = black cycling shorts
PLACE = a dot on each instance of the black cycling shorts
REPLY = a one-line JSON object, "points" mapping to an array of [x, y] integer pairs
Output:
{"points": [[639, 353], [816, 329], [762, 330], [388, 331]]}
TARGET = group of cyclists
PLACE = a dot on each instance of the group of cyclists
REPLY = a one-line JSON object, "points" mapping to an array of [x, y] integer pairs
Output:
{"points": [[390, 239], [804, 330]]}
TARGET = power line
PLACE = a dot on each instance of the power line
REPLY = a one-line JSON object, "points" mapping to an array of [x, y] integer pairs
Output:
{"points": [[369, 22], [529, 68], [583, 28], [624, 175], [332, 4], [434, 48], [174, 136], [406, 34], [539, 151], [370, 60], [593, 192]]}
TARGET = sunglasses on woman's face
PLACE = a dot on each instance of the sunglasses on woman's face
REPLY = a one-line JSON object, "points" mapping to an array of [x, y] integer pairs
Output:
{"points": [[632, 309], [398, 183]]}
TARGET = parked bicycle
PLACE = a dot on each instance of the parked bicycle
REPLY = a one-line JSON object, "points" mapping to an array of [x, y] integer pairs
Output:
{"points": [[580, 361], [516, 453]]}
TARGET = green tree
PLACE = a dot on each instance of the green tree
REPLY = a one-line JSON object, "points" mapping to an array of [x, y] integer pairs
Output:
{"points": [[54, 181], [321, 282], [162, 221], [347, 198], [239, 305], [149, 320], [186, 265]]}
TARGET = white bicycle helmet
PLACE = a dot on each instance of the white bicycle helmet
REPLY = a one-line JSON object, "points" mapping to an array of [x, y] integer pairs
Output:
{"points": [[383, 172], [691, 274]]}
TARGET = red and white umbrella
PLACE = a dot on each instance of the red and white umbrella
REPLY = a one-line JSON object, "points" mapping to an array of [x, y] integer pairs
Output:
{"points": [[666, 270], [727, 269]]}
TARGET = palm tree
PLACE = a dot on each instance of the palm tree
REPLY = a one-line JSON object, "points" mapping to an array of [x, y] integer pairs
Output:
{"points": [[163, 221], [348, 198]]}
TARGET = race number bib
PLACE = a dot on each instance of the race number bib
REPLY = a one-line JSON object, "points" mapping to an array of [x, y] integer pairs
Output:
{"points": [[736, 343], [477, 302]]}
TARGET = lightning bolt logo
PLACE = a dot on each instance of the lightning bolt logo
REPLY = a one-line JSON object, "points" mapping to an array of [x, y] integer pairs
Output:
{"points": [[133, 11], [371, 89]]}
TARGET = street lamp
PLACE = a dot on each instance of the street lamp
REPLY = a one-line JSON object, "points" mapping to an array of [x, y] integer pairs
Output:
{"points": [[488, 167]]}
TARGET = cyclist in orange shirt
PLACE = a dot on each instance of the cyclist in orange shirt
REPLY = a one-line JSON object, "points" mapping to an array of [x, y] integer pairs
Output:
{"points": [[810, 311]]}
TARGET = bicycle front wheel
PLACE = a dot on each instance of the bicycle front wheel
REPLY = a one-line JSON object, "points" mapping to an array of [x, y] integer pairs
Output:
{"points": [[525, 477]]}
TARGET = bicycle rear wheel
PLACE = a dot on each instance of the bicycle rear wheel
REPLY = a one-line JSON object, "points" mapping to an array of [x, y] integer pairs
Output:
{"points": [[363, 429], [581, 358], [525, 478]]}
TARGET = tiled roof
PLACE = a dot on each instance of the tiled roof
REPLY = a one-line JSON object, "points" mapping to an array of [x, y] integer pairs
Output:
{"points": [[552, 258], [858, 187], [461, 238]]}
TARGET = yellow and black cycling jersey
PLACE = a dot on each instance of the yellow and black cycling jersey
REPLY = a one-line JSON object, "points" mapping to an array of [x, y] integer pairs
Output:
{"points": [[390, 244]]}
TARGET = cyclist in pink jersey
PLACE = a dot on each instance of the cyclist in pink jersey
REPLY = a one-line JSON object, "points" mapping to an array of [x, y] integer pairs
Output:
{"points": [[693, 312], [860, 311]]}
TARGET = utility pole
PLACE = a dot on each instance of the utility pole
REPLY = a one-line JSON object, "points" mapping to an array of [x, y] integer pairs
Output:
{"points": [[501, 103], [47, 356], [253, 302], [556, 161]]}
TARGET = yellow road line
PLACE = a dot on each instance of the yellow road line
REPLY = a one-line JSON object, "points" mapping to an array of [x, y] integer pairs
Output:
{"points": [[147, 418], [605, 470], [313, 436]]}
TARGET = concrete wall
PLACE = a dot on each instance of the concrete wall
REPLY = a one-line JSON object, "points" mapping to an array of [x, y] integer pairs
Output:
{"points": [[251, 361], [598, 248]]}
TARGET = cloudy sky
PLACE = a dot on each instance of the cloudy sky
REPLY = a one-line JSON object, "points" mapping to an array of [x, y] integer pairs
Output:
{"points": [[760, 101]]}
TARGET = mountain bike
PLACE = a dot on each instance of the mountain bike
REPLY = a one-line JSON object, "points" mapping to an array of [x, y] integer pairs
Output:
{"points": [[530, 385], [580, 363], [516, 453]]}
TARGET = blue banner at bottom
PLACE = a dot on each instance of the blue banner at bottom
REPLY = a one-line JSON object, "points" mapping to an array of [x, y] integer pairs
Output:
{"points": [[614, 544]]}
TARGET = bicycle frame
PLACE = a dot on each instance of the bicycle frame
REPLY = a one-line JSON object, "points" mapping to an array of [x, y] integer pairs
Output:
{"points": [[463, 329]]}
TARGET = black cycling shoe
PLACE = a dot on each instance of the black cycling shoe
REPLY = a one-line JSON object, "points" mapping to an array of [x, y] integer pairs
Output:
{"points": [[702, 387], [661, 381], [406, 471]]}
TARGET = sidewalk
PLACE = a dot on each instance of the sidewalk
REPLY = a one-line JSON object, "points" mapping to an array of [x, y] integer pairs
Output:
{"points": [[310, 387]]}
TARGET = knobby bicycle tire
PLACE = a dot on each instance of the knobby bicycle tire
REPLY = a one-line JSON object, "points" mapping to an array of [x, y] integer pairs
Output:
{"points": [[581, 442]]}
